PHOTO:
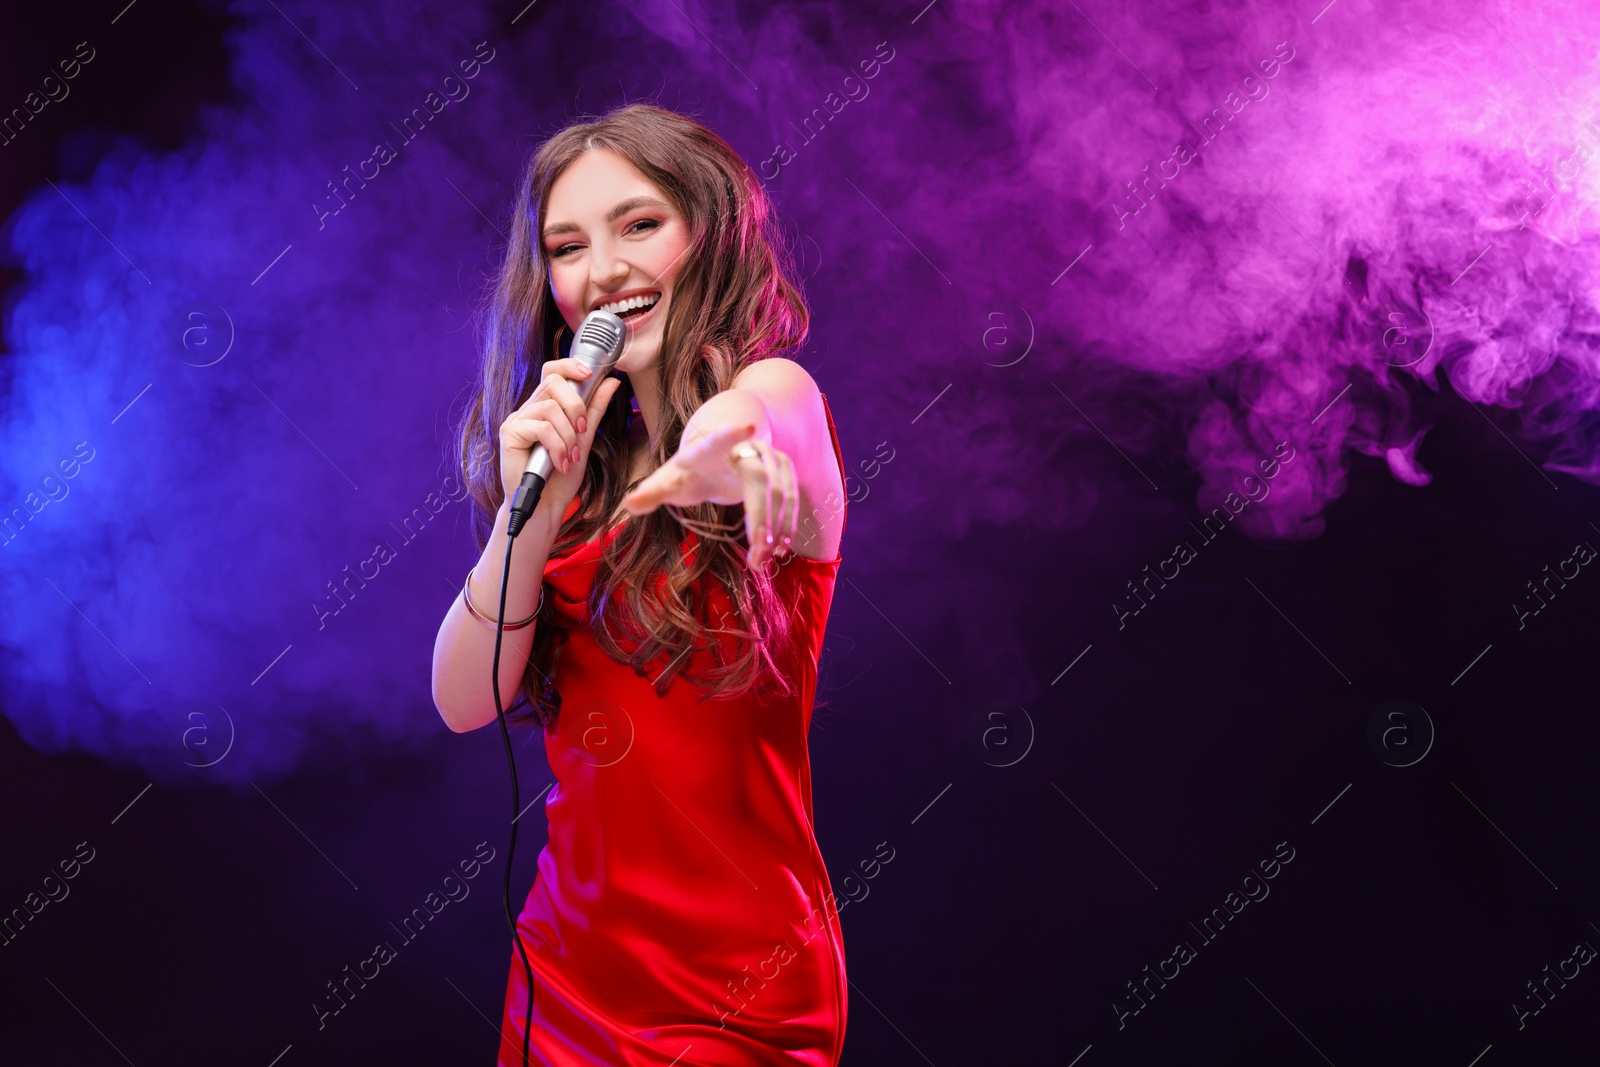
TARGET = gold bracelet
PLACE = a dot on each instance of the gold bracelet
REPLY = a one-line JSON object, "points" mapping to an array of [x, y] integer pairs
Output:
{"points": [[466, 595]]}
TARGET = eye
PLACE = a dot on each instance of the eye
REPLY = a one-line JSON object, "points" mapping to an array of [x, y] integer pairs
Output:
{"points": [[652, 223], [562, 251]]}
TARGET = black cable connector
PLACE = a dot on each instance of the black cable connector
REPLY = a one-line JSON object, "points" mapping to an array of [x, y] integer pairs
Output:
{"points": [[523, 502]]}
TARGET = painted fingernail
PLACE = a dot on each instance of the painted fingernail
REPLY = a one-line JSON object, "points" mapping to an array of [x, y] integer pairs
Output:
{"points": [[583, 424]]}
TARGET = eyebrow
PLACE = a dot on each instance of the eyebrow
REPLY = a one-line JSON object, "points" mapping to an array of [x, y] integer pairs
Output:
{"points": [[611, 216]]}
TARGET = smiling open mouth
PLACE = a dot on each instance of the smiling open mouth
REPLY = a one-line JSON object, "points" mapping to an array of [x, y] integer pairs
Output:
{"points": [[633, 306]]}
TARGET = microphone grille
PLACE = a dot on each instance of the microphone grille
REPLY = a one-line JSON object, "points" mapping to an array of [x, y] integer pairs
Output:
{"points": [[601, 333]]}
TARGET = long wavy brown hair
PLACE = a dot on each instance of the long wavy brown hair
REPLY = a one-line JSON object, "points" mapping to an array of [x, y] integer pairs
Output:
{"points": [[733, 303]]}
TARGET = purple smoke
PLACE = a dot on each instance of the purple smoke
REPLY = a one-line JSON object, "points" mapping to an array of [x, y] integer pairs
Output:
{"points": [[262, 339], [1350, 210]]}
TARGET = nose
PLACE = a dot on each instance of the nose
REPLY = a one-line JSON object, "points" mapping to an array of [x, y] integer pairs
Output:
{"points": [[606, 267]]}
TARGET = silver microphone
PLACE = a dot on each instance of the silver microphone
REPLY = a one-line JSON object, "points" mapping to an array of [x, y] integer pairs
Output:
{"points": [[598, 346]]}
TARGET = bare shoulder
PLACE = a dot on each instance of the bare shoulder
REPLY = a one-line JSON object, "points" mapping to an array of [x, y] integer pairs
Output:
{"points": [[794, 403], [781, 377]]}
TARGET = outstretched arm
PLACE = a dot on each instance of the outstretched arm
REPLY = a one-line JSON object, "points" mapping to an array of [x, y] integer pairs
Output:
{"points": [[762, 442]]}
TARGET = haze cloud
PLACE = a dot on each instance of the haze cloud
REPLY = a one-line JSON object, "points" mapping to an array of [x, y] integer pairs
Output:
{"points": [[264, 354]]}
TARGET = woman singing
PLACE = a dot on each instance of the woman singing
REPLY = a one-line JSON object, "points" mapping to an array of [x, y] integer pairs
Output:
{"points": [[665, 610]]}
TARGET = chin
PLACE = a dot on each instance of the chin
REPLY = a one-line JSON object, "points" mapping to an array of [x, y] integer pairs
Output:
{"points": [[636, 359]]}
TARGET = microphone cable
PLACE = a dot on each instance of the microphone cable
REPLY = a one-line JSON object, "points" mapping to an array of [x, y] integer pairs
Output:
{"points": [[516, 794], [599, 341]]}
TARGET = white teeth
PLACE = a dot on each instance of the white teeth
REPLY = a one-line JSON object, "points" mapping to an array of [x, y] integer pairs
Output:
{"points": [[619, 306]]}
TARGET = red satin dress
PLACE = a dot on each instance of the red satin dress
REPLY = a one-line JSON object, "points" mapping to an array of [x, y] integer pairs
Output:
{"points": [[681, 914]]}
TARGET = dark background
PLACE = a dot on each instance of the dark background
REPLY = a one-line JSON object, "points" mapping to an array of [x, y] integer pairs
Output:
{"points": [[1208, 731]]}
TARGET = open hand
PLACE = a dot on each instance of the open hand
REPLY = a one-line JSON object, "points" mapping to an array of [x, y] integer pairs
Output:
{"points": [[730, 466]]}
